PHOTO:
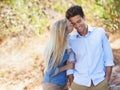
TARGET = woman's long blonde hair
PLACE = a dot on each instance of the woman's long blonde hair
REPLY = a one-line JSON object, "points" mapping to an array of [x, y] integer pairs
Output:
{"points": [[57, 43]]}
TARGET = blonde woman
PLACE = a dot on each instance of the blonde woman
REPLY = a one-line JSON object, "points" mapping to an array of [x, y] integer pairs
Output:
{"points": [[56, 55]]}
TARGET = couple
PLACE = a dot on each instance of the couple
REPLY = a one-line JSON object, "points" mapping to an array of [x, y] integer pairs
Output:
{"points": [[86, 55]]}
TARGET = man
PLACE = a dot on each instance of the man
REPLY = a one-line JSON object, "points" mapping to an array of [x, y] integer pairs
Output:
{"points": [[94, 58]]}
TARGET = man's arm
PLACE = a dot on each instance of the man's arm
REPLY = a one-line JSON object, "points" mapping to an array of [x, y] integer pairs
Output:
{"points": [[108, 57], [71, 71]]}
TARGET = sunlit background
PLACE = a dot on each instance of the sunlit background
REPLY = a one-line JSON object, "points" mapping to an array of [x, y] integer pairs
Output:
{"points": [[24, 31]]}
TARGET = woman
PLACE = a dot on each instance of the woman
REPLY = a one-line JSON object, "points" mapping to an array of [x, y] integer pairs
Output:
{"points": [[56, 55]]}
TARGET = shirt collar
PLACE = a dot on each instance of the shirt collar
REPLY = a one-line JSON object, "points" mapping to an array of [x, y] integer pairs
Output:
{"points": [[90, 29]]}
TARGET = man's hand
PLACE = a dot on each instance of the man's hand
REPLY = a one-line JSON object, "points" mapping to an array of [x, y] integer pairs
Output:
{"points": [[70, 79], [108, 73]]}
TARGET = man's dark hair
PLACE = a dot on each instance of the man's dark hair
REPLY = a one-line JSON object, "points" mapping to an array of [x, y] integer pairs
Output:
{"points": [[73, 11]]}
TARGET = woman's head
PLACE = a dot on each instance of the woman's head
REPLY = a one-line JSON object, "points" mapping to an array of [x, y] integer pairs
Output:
{"points": [[57, 43], [58, 31], [69, 27]]}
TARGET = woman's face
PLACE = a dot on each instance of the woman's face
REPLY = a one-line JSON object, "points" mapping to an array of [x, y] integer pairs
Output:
{"points": [[70, 26]]}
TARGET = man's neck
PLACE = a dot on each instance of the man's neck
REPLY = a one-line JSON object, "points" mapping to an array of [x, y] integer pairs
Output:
{"points": [[85, 31]]}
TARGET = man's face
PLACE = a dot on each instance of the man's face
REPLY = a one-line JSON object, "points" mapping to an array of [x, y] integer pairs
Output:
{"points": [[78, 23]]}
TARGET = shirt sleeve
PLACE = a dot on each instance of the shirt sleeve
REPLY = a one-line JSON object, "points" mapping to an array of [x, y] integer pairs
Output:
{"points": [[108, 56], [71, 59]]}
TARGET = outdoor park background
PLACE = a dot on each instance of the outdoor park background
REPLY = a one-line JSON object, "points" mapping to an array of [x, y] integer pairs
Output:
{"points": [[24, 31]]}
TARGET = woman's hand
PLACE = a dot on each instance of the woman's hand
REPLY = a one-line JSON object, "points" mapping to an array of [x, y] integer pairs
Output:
{"points": [[70, 65]]}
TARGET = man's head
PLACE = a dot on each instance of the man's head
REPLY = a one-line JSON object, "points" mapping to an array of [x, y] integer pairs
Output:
{"points": [[76, 16]]}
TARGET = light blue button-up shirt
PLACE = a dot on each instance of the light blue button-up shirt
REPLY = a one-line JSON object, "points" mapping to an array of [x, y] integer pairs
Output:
{"points": [[93, 53]]}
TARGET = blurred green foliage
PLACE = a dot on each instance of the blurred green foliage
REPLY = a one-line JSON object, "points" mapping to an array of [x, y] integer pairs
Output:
{"points": [[21, 16], [111, 14], [104, 13], [34, 16]]}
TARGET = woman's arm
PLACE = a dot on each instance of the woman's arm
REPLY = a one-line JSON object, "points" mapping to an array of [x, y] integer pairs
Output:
{"points": [[69, 65], [58, 70]]}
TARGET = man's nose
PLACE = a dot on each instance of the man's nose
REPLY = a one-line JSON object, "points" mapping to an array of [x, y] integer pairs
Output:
{"points": [[77, 25]]}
